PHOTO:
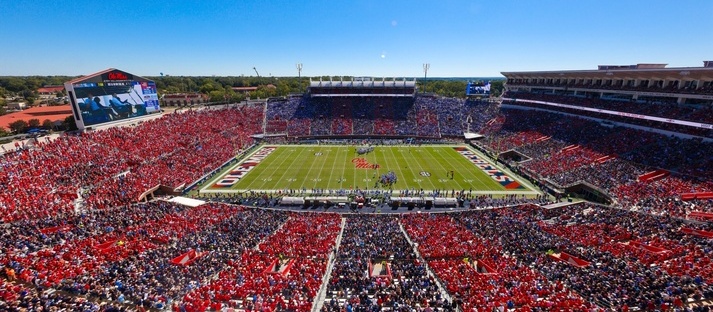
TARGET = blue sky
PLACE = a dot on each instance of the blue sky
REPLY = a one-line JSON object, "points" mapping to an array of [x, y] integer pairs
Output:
{"points": [[357, 38]]}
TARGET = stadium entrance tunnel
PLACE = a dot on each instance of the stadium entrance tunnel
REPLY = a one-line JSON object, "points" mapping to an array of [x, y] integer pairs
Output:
{"points": [[159, 190], [280, 266], [514, 156], [380, 269], [589, 192]]}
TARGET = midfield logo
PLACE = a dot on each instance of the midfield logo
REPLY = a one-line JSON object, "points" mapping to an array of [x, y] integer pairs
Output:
{"points": [[362, 163]]}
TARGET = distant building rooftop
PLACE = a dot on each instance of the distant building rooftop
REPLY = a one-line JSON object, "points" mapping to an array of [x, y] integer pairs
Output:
{"points": [[244, 89], [53, 113], [50, 89], [183, 96]]}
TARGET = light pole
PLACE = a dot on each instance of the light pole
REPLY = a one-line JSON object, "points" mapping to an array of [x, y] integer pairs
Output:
{"points": [[426, 67], [299, 76]]}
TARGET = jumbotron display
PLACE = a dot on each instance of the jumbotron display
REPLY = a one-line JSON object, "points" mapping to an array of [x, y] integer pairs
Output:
{"points": [[109, 96], [479, 88]]}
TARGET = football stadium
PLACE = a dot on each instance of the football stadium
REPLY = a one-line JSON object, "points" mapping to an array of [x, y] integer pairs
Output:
{"points": [[548, 187], [368, 194]]}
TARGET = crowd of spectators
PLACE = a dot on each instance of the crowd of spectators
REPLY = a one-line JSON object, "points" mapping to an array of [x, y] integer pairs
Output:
{"points": [[376, 267], [645, 86], [219, 234], [424, 116], [124, 255], [664, 196], [16, 297], [618, 280], [567, 150], [255, 259], [476, 270], [107, 168], [342, 126], [283, 272]]}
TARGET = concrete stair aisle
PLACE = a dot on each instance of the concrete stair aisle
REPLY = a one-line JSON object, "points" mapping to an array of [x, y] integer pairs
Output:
{"points": [[322, 294]]}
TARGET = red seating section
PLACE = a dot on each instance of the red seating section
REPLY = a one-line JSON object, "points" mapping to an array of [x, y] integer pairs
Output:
{"points": [[114, 166], [308, 238]]}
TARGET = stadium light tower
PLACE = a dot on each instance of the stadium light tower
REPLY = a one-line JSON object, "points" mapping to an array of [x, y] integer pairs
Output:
{"points": [[299, 76], [426, 67]]}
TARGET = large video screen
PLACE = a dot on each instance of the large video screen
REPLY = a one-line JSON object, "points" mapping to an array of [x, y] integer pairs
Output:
{"points": [[478, 89], [113, 96]]}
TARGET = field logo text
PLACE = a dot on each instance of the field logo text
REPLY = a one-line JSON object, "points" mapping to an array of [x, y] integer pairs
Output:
{"points": [[233, 176], [489, 169], [362, 163]]}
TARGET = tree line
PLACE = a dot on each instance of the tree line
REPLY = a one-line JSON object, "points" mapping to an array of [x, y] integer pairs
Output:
{"points": [[218, 88]]}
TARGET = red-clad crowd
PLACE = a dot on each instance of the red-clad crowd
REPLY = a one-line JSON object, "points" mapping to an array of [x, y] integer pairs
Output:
{"points": [[664, 196], [591, 234], [427, 122], [269, 260], [296, 255], [342, 126], [565, 150], [104, 169], [615, 280], [87, 251], [477, 271]]}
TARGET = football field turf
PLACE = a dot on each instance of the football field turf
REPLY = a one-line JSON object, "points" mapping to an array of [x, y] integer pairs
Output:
{"points": [[340, 167]]}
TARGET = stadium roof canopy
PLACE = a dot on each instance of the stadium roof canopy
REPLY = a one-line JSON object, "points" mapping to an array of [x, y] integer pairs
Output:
{"points": [[363, 87], [190, 202], [364, 83], [97, 77]]}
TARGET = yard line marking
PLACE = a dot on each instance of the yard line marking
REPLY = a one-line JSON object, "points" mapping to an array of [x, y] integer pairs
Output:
{"points": [[290, 169], [254, 171], [331, 172], [441, 165], [345, 151], [314, 160], [276, 167], [481, 179], [433, 187], [321, 155]]}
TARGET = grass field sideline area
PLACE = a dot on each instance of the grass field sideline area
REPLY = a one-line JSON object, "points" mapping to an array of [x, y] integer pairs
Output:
{"points": [[330, 167]]}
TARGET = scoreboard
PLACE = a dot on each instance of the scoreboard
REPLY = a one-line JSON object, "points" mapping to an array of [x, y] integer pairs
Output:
{"points": [[109, 96], [478, 89]]}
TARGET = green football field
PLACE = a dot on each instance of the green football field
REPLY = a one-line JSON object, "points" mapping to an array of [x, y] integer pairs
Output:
{"points": [[340, 167]]}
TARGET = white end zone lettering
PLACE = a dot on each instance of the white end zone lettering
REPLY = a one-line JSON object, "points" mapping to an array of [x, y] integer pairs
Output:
{"points": [[502, 178], [239, 171], [489, 169], [227, 182]]}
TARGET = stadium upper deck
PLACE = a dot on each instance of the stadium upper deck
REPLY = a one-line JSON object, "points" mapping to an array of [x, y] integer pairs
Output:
{"points": [[640, 82]]}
